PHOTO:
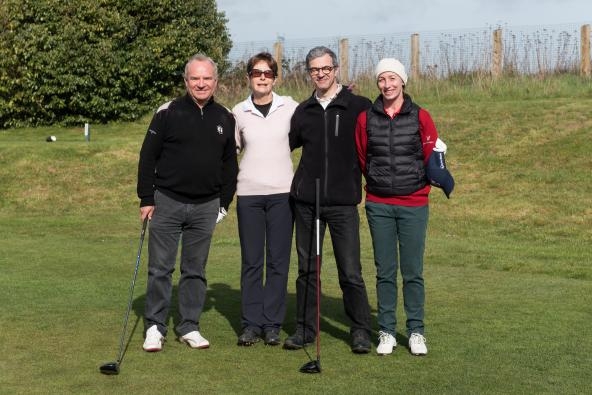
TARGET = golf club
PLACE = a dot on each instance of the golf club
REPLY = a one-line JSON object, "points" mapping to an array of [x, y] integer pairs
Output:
{"points": [[111, 368], [314, 366]]}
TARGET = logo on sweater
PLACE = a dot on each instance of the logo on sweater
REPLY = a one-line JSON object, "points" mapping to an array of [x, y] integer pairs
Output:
{"points": [[220, 129]]}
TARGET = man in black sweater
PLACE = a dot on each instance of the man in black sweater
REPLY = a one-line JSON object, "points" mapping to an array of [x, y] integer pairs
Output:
{"points": [[186, 181], [324, 127]]}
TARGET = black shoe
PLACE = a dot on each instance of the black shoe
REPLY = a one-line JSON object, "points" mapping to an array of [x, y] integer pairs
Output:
{"points": [[297, 341], [248, 338], [272, 337], [360, 342]]}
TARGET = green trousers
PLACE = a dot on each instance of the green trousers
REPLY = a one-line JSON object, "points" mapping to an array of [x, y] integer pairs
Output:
{"points": [[398, 239]]}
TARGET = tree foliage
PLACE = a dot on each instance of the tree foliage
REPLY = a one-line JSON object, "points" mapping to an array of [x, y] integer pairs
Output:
{"points": [[64, 61]]}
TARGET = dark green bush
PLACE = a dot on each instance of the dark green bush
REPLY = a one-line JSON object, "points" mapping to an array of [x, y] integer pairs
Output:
{"points": [[70, 62]]}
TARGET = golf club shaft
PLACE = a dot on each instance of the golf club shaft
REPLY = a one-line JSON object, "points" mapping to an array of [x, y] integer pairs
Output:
{"points": [[314, 366], [318, 263], [131, 292]]}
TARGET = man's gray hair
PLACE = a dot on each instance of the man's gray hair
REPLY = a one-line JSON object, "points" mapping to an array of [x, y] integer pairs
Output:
{"points": [[317, 52], [200, 58]]}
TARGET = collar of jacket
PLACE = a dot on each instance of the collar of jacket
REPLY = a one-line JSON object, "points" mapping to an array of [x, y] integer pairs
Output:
{"points": [[190, 100], [378, 105], [342, 99]]}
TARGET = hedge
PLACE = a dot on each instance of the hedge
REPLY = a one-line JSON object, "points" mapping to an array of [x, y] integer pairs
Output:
{"points": [[71, 62]]}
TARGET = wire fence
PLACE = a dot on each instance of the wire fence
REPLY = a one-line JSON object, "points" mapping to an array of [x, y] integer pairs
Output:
{"points": [[525, 50]]}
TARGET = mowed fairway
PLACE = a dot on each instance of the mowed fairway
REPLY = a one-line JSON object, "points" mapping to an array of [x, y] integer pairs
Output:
{"points": [[508, 267]]}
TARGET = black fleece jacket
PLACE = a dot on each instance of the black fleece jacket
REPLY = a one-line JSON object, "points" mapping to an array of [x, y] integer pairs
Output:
{"points": [[328, 150], [189, 154]]}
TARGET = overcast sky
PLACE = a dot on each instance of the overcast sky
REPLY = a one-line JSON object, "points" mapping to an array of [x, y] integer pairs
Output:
{"points": [[263, 20]]}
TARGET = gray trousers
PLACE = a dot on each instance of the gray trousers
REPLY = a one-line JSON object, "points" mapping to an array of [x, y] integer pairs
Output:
{"points": [[193, 225]]}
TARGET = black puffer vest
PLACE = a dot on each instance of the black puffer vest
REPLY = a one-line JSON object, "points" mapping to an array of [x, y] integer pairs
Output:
{"points": [[394, 156]]}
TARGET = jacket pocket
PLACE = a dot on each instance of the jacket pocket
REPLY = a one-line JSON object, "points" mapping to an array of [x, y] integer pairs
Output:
{"points": [[337, 125]]}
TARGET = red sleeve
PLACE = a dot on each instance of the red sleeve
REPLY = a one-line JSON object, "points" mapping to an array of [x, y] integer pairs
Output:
{"points": [[361, 140], [428, 133]]}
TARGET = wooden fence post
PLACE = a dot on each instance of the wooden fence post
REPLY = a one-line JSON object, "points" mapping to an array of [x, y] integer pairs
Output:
{"points": [[497, 64], [344, 61], [415, 66], [278, 52], [585, 51]]}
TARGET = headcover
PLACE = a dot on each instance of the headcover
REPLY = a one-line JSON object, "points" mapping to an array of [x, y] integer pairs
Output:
{"points": [[437, 173]]}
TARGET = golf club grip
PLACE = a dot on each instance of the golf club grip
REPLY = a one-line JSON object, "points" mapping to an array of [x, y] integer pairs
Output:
{"points": [[317, 214], [144, 226], [317, 197]]}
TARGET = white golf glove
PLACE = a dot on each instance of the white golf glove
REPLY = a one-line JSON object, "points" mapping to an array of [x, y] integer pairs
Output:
{"points": [[440, 146], [221, 214]]}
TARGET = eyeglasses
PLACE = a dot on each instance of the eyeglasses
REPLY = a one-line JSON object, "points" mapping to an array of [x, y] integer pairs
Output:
{"points": [[256, 73], [317, 70]]}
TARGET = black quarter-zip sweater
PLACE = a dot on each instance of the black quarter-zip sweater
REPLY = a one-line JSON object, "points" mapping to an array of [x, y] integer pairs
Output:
{"points": [[328, 150], [189, 154]]}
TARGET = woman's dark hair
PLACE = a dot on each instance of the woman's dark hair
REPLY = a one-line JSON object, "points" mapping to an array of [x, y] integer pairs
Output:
{"points": [[262, 56]]}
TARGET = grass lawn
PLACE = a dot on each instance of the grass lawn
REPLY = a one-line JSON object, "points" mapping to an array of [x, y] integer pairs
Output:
{"points": [[508, 277]]}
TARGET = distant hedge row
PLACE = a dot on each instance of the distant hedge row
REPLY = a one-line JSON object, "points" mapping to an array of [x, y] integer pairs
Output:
{"points": [[69, 62]]}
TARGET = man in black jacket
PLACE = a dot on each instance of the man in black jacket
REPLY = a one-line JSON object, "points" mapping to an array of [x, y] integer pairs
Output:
{"points": [[186, 181], [324, 127]]}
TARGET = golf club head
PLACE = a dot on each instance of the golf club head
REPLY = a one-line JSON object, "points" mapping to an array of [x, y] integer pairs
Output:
{"points": [[311, 367], [110, 368]]}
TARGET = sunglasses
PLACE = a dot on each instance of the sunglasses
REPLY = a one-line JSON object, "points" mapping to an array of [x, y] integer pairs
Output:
{"points": [[256, 73], [317, 70]]}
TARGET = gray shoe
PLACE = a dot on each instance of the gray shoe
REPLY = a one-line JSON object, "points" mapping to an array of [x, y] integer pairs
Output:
{"points": [[360, 342], [297, 341], [248, 338], [272, 337]]}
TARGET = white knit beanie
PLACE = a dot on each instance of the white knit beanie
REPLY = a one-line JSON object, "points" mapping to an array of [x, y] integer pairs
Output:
{"points": [[391, 64]]}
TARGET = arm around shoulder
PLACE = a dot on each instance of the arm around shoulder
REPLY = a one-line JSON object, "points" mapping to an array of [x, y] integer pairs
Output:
{"points": [[294, 134]]}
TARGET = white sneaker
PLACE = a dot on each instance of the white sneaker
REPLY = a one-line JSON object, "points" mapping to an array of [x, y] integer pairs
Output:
{"points": [[417, 344], [153, 340], [195, 340], [386, 343]]}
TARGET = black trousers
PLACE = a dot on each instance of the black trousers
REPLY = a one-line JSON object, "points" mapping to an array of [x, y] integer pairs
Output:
{"points": [[344, 226], [265, 229]]}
